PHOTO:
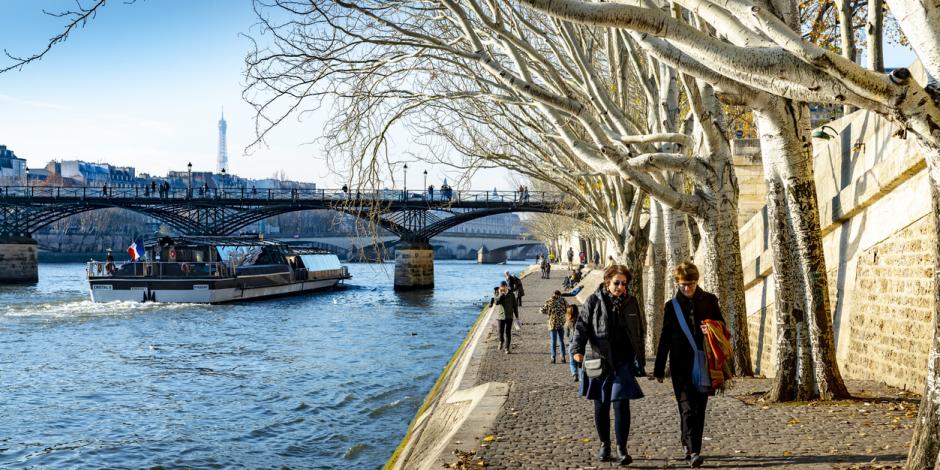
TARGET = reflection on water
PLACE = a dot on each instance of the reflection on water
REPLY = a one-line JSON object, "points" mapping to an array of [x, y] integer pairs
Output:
{"points": [[323, 381]]}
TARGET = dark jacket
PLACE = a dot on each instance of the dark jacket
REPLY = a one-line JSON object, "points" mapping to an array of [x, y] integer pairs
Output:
{"points": [[515, 286], [505, 306], [673, 342], [592, 327]]}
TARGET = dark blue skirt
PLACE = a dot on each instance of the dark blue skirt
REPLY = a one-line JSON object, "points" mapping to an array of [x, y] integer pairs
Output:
{"points": [[612, 387]]}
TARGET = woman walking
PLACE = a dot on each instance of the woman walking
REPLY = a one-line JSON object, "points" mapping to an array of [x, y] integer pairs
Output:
{"points": [[571, 319], [692, 306], [613, 324], [506, 311], [555, 309]]}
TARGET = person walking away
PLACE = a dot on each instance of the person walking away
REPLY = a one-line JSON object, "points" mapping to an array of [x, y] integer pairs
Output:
{"points": [[515, 285], [571, 319], [570, 256], [597, 259], [547, 268], [691, 306], [431, 192], [613, 324], [555, 309], [582, 257], [506, 312]]}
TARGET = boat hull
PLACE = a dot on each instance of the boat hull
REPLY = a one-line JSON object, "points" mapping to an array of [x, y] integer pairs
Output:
{"points": [[210, 291]]}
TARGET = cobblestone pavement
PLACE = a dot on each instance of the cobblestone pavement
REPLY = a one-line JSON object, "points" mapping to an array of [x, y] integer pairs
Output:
{"points": [[545, 424]]}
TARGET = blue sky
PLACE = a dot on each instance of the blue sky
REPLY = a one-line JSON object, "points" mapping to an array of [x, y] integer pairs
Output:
{"points": [[144, 84]]}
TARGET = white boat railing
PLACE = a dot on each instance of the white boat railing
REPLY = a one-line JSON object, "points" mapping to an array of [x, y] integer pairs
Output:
{"points": [[158, 270]]}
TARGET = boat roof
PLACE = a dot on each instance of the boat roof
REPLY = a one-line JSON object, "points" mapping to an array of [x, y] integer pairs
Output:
{"points": [[190, 240]]}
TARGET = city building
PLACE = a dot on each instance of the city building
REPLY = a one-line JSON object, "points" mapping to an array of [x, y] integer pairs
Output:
{"points": [[12, 168], [92, 174]]}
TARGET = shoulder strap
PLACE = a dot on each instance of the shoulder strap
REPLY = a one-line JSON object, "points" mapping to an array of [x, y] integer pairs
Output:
{"points": [[683, 324]]}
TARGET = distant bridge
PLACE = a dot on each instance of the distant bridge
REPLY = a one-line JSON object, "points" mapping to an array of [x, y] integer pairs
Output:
{"points": [[411, 216]]}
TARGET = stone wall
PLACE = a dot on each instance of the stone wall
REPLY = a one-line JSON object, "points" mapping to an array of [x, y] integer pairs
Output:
{"points": [[18, 261], [877, 233], [414, 268]]}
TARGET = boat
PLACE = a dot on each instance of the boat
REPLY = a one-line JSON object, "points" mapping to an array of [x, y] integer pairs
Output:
{"points": [[215, 270]]}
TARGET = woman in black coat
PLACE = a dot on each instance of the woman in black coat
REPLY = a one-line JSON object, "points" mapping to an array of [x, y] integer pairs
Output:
{"points": [[696, 306], [612, 322]]}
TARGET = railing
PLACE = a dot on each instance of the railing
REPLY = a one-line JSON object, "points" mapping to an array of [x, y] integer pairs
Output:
{"points": [[240, 193], [328, 274], [158, 270]]}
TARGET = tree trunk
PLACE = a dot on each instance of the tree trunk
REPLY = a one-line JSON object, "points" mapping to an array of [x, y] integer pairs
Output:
{"points": [[656, 297], [784, 127], [847, 37], [786, 299], [925, 445], [807, 375], [874, 29], [724, 274]]}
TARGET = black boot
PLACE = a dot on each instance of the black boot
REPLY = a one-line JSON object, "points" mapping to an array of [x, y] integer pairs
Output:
{"points": [[696, 461], [622, 457], [604, 454]]}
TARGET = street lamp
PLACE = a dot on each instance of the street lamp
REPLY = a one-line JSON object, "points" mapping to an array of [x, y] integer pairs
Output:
{"points": [[425, 180], [223, 182], [189, 171], [405, 182], [27, 181]]}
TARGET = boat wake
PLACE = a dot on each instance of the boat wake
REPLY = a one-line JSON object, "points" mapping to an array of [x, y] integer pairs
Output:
{"points": [[87, 308]]}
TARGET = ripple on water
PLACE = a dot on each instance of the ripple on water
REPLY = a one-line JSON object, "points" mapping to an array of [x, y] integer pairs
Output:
{"points": [[354, 451], [86, 308]]}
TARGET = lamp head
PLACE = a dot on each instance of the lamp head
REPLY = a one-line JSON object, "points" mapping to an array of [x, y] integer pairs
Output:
{"points": [[189, 166], [821, 134]]}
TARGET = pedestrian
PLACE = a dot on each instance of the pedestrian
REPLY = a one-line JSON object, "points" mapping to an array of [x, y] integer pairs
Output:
{"points": [[506, 312], [109, 262], [555, 309], [515, 285], [525, 193], [582, 257], [431, 192], [571, 319], [613, 324], [570, 256], [104, 190], [597, 259], [610, 260], [683, 318], [153, 187], [146, 191]]}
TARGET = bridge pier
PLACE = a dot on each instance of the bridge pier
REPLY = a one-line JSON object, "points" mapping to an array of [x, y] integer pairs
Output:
{"points": [[414, 266], [18, 263], [485, 256]]}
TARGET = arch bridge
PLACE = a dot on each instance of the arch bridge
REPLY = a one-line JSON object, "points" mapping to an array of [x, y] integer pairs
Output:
{"points": [[414, 217]]}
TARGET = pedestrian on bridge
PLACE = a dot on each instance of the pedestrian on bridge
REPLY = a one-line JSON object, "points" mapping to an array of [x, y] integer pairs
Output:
{"points": [[506, 311], [613, 324], [682, 341], [431, 192], [555, 308]]}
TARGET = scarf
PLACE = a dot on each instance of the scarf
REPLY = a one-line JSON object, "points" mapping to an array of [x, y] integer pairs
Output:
{"points": [[718, 352]]}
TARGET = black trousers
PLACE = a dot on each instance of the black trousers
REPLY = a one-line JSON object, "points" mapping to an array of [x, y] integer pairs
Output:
{"points": [[621, 421], [505, 332], [692, 406]]}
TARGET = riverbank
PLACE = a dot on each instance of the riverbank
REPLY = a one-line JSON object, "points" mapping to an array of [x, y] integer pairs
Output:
{"points": [[541, 422]]}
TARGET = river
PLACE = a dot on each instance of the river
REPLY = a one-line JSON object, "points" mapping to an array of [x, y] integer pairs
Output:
{"points": [[328, 380]]}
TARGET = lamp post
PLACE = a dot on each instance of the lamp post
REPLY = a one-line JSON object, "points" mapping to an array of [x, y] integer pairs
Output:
{"points": [[405, 182], [27, 181], [223, 182], [425, 180], [189, 172]]}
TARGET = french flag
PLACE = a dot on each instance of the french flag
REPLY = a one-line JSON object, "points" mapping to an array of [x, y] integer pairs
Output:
{"points": [[136, 250]]}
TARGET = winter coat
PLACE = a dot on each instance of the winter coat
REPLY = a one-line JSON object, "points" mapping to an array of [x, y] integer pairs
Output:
{"points": [[515, 286], [555, 308], [673, 342], [506, 306], [592, 327]]}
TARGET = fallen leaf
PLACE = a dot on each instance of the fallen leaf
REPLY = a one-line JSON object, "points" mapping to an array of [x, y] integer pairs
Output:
{"points": [[489, 438]]}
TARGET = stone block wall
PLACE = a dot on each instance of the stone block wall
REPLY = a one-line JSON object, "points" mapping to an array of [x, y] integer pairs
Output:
{"points": [[18, 262], [890, 326], [414, 268]]}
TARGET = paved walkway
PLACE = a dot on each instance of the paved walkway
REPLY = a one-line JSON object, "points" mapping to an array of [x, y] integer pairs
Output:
{"points": [[545, 424]]}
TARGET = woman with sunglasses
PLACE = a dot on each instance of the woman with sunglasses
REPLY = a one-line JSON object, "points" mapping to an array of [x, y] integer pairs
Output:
{"points": [[612, 322], [695, 307]]}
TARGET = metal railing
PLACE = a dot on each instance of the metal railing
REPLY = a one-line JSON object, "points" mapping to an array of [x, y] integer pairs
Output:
{"points": [[248, 194], [159, 270]]}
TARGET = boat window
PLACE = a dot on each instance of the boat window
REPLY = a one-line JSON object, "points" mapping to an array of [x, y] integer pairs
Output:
{"points": [[321, 262]]}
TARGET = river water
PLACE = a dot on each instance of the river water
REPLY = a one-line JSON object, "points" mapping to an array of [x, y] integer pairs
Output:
{"points": [[328, 380]]}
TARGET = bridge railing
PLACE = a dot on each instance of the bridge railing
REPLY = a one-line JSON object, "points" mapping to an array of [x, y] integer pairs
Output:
{"points": [[158, 270], [152, 193]]}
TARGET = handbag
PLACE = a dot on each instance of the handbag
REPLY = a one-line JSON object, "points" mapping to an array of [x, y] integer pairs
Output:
{"points": [[594, 368], [701, 379]]}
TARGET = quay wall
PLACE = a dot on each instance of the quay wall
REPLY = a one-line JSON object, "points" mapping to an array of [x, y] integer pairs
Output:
{"points": [[18, 264], [457, 409], [874, 204]]}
